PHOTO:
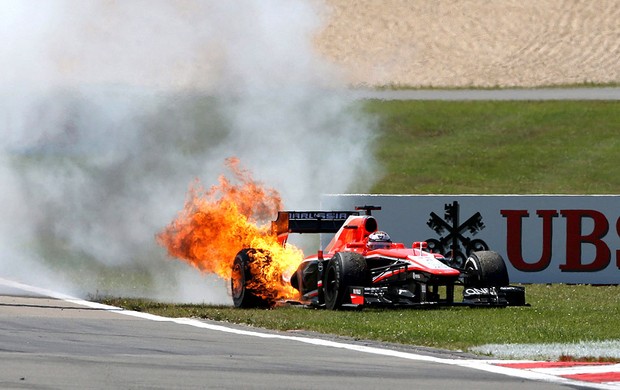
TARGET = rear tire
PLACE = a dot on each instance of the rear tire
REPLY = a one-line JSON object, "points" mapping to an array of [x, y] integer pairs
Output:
{"points": [[486, 269], [343, 270], [243, 295]]}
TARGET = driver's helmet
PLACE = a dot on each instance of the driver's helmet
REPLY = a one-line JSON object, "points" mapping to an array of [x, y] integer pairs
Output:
{"points": [[379, 240]]}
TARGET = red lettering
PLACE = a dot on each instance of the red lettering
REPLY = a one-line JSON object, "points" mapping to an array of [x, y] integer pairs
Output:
{"points": [[575, 239], [514, 238], [618, 250]]}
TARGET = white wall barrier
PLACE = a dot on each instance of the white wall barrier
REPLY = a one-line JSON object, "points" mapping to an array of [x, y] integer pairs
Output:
{"points": [[543, 238]]}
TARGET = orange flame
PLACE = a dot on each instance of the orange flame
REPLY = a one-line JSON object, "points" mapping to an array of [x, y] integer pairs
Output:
{"points": [[215, 225]]}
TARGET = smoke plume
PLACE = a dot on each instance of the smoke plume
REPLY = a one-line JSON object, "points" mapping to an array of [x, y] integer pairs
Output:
{"points": [[109, 110]]}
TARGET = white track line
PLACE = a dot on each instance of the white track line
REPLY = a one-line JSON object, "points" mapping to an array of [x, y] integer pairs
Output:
{"points": [[482, 365]]}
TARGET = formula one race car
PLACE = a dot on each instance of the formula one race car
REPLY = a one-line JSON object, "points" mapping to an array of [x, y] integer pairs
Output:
{"points": [[361, 267]]}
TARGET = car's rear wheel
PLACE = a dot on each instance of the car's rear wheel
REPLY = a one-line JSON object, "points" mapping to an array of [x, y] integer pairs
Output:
{"points": [[343, 270], [243, 294], [486, 269]]}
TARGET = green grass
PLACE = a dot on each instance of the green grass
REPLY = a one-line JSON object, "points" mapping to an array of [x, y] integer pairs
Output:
{"points": [[498, 147], [558, 313]]}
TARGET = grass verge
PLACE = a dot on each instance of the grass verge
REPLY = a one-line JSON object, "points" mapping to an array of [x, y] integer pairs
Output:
{"points": [[489, 147], [558, 313]]}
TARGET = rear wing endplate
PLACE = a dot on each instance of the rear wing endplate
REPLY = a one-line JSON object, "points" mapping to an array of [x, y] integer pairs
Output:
{"points": [[310, 221]]}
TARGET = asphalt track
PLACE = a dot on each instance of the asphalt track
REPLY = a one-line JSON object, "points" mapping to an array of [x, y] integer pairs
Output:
{"points": [[609, 93], [59, 342]]}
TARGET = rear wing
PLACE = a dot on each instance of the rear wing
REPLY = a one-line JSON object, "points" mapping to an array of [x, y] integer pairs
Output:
{"points": [[309, 221]]}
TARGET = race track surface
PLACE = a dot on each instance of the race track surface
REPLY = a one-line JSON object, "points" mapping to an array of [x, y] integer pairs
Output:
{"points": [[50, 343], [610, 93]]}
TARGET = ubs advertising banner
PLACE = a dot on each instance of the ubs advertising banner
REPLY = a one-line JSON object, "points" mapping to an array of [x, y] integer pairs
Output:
{"points": [[543, 238]]}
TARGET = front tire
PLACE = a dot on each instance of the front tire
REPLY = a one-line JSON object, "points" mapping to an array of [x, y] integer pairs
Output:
{"points": [[486, 269], [343, 270], [243, 295]]}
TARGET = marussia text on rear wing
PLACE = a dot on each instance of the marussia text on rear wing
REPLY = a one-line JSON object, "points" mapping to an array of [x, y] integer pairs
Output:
{"points": [[309, 222], [315, 221]]}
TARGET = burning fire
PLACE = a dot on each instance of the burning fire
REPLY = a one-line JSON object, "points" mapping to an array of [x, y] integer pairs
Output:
{"points": [[215, 225]]}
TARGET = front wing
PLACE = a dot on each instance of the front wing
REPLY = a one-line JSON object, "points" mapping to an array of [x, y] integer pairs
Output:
{"points": [[472, 297]]}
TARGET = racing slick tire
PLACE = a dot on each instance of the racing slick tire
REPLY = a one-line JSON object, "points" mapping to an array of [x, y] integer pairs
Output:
{"points": [[243, 295], [486, 269], [343, 270]]}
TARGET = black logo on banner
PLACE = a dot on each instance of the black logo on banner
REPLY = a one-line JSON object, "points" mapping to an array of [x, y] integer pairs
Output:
{"points": [[453, 241]]}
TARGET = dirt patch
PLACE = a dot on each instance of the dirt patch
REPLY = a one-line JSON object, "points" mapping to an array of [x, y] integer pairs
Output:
{"points": [[448, 43]]}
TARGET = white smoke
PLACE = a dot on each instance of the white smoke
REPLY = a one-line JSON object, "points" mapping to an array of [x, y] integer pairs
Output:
{"points": [[109, 110]]}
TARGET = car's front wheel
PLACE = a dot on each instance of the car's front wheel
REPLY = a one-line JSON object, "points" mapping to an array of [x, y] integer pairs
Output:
{"points": [[486, 269]]}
